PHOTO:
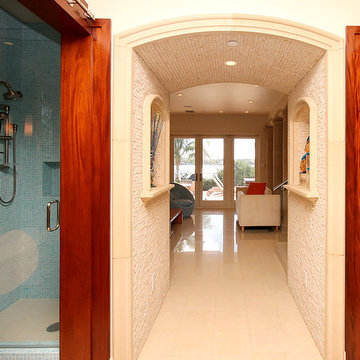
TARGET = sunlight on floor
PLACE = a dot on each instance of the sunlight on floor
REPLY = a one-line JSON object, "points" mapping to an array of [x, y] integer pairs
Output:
{"points": [[228, 297]]}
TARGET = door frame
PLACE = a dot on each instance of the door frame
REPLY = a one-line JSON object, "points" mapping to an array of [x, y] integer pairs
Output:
{"points": [[124, 45], [85, 179], [352, 295]]}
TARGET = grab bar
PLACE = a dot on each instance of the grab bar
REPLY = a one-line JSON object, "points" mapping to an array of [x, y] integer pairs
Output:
{"points": [[281, 185]]}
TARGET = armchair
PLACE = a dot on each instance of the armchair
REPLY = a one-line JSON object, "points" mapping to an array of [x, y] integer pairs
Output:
{"points": [[258, 210]]}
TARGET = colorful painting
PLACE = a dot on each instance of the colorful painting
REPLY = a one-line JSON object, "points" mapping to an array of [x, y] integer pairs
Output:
{"points": [[305, 160]]}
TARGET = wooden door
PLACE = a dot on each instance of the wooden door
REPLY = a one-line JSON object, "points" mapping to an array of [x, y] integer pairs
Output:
{"points": [[352, 293], [85, 180]]}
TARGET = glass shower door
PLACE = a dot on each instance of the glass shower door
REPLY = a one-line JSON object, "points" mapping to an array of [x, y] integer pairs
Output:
{"points": [[29, 180]]}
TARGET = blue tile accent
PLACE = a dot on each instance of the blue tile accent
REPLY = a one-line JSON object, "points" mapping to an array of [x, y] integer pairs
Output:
{"points": [[32, 65]]}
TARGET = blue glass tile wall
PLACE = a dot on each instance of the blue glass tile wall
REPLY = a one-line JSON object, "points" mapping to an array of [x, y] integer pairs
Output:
{"points": [[30, 62]]}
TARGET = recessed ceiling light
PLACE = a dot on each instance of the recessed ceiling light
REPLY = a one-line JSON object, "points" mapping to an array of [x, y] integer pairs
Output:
{"points": [[256, 85], [246, 111], [179, 94], [232, 43], [8, 43], [230, 63], [221, 111], [251, 101]]}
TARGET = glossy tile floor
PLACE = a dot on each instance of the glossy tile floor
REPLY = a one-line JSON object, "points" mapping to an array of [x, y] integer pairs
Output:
{"points": [[228, 297]]}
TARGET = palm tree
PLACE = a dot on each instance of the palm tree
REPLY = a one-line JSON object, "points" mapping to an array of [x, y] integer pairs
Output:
{"points": [[183, 147]]}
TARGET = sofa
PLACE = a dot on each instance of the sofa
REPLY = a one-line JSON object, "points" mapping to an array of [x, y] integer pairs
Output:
{"points": [[258, 210], [181, 198]]}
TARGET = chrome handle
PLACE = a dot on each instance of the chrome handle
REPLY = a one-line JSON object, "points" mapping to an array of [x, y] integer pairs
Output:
{"points": [[48, 226]]}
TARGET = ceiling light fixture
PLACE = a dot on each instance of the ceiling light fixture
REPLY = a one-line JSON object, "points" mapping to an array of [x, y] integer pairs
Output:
{"points": [[179, 94], [232, 43], [230, 63], [246, 111], [256, 85], [221, 111], [251, 101], [8, 43]]}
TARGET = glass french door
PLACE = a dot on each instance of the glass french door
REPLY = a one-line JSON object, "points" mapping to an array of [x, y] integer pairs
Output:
{"points": [[198, 165], [184, 155], [212, 172], [244, 162], [212, 167]]}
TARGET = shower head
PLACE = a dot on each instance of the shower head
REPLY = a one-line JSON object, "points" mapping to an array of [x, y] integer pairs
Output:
{"points": [[11, 94]]}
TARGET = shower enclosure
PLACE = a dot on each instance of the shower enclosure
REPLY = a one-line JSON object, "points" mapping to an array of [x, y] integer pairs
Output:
{"points": [[47, 271], [29, 180]]}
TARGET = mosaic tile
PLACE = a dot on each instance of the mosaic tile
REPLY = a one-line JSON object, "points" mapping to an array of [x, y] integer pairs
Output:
{"points": [[32, 66]]}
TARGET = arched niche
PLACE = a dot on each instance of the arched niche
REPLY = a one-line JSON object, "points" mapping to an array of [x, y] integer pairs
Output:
{"points": [[155, 182], [303, 124]]}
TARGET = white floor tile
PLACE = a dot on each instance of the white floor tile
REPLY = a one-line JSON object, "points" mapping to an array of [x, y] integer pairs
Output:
{"points": [[229, 303]]}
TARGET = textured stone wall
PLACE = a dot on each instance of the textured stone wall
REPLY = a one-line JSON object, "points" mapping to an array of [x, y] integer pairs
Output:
{"points": [[307, 222], [150, 232]]}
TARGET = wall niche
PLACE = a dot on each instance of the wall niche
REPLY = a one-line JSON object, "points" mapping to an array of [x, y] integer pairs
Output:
{"points": [[303, 149], [156, 142]]}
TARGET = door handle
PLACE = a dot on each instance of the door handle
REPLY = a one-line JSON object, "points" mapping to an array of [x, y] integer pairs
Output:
{"points": [[48, 212], [201, 177]]}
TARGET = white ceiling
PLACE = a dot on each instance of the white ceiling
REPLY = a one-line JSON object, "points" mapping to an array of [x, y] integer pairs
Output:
{"points": [[273, 62], [229, 97]]}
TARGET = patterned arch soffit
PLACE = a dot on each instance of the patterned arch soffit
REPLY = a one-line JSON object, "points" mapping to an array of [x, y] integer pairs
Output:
{"points": [[121, 134]]}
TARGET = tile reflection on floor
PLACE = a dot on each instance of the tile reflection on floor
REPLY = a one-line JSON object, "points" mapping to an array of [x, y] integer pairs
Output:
{"points": [[228, 297]]}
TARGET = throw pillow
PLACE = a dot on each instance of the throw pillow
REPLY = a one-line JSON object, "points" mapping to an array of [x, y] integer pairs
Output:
{"points": [[256, 189]]}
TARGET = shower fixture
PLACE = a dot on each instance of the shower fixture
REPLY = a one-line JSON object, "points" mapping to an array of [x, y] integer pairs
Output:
{"points": [[11, 94], [4, 118]]}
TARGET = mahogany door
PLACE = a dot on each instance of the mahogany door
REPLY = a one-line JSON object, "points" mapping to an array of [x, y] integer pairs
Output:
{"points": [[85, 179], [352, 293]]}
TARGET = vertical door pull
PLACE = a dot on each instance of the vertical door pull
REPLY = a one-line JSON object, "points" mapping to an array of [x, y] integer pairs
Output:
{"points": [[48, 212]]}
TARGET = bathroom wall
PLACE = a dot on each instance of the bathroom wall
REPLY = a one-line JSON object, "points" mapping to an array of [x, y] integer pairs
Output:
{"points": [[31, 64], [307, 228]]}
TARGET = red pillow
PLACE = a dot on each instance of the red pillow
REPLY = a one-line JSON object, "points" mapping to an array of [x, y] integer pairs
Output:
{"points": [[256, 189]]}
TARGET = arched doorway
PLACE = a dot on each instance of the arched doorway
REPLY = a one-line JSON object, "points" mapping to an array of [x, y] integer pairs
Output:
{"points": [[123, 134]]}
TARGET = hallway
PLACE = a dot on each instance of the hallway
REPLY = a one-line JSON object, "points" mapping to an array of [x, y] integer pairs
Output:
{"points": [[228, 297]]}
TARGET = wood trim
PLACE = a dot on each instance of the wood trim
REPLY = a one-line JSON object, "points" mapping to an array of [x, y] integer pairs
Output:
{"points": [[352, 289], [100, 315], [77, 195], [85, 195], [60, 15]]}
